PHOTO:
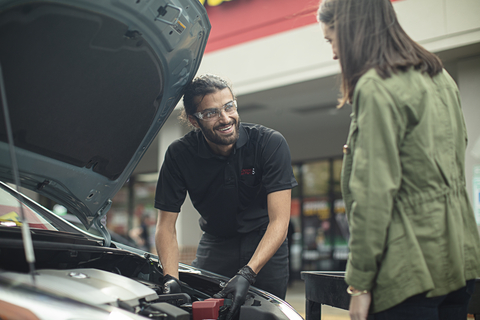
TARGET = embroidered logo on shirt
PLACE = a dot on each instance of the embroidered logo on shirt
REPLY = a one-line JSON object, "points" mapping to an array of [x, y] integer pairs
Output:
{"points": [[248, 172]]}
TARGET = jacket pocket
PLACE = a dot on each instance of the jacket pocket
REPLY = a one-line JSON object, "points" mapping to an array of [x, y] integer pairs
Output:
{"points": [[395, 260]]}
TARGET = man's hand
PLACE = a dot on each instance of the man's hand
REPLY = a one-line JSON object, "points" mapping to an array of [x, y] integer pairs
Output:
{"points": [[237, 286], [171, 284], [359, 306]]}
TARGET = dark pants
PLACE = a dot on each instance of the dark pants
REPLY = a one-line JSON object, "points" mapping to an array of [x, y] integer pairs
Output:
{"points": [[452, 306], [226, 256]]}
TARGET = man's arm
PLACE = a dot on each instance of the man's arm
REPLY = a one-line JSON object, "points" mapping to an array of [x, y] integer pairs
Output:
{"points": [[279, 205], [166, 242], [279, 215]]}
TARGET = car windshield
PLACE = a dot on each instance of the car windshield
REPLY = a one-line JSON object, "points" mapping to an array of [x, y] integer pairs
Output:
{"points": [[10, 213]]}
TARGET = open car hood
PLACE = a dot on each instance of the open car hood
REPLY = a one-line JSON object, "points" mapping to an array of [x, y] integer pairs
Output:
{"points": [[88, 85]]}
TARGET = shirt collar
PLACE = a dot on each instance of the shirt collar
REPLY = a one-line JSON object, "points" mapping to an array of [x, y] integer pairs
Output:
{"points": [[243, 137], [204, 149]]}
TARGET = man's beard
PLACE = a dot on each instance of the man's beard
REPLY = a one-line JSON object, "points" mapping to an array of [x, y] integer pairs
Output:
{"points": [[211, 135]]}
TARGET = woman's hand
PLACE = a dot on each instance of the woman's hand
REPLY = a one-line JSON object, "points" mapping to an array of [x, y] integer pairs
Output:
{"points": [[359, 306]]}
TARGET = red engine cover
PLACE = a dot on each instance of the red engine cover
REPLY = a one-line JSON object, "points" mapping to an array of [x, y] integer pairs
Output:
{"points": [[206, 309]]}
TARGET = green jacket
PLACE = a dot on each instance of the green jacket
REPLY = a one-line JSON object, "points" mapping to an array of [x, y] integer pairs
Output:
{"points": [[412, 228]]}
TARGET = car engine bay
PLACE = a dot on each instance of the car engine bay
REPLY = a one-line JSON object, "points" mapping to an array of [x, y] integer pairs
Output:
{"points": [[132, 282], [99, 287]]}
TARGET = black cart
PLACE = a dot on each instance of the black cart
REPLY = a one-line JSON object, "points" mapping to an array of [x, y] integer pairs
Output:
{"points": [[329, 287]]}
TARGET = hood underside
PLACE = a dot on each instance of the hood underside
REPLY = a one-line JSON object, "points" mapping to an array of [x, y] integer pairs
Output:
{"points": [[88, 85]]}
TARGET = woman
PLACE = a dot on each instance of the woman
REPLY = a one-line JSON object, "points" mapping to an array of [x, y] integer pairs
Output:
{"points": [[414, 244]]}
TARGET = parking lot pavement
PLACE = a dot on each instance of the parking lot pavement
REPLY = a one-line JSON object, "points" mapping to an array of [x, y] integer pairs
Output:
{"points": [[296, 298]]}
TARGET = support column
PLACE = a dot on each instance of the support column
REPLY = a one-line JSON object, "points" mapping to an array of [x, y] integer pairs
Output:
{"points": [[469, 82]]}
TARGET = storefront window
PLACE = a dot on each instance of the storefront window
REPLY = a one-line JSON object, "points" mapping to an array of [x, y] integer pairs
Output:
{"points": [[337, 171], [316, 176], [324, 227]]}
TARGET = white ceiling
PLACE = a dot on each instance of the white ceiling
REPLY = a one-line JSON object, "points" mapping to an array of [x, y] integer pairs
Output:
{"points": [[305, 113]]}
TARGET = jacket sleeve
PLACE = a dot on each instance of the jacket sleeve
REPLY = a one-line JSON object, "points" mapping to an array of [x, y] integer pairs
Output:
{"points": [[374, 181]]}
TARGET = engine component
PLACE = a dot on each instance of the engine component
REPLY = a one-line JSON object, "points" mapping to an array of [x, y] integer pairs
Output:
{"points": [[171, 312], [207, 309], [176, 299]]}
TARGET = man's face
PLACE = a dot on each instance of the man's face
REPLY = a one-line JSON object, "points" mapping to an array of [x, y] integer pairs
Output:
{"points": [[219, 131]]}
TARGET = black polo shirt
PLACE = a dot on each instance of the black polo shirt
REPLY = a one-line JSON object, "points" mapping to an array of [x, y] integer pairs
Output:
{"points": [[230, 193]]}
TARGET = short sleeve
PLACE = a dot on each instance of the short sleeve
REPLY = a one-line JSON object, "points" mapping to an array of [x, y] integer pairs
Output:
{"points": [[277, 166], [171, 189]]}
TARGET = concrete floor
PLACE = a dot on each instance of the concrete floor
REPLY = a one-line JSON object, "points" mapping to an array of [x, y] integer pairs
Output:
{"points": [[296, 298]]}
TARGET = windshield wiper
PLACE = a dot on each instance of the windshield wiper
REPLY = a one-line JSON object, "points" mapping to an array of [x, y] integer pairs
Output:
{"points": [[27, 238]]}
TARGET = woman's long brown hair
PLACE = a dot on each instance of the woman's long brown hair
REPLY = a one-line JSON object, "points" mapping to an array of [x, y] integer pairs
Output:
{"points": [[369, 36]]}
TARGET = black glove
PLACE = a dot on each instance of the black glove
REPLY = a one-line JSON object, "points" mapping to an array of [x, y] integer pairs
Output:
{"points": [[237, 286], [171, 284]]}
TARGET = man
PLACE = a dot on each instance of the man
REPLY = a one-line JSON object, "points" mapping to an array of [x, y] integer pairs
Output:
{"points": [[239, 178]]}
